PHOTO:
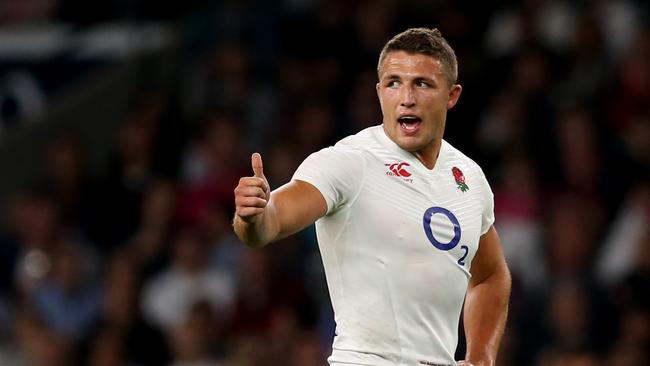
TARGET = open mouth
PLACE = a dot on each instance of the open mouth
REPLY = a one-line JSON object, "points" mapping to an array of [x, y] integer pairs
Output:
{"points": [[409, 124]]}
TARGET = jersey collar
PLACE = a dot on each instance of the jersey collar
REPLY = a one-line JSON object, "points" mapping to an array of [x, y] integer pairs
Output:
{"points": [[409, 157]]}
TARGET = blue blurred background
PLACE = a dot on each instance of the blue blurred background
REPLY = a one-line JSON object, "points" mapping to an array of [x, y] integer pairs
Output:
{"points": [[125, 126]]}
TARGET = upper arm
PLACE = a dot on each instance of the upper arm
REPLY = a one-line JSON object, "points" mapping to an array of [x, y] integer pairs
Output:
{"points": [[489, 259], [297, 205], [323, 182]]}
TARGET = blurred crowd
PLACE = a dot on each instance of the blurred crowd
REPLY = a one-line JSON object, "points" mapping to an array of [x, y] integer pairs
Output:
{"points": [[138, 265]]}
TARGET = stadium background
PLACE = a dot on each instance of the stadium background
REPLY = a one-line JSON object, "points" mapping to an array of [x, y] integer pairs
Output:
{"points": [[125, 125]]}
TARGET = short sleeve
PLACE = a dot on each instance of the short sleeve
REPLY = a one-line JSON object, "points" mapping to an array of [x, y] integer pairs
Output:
{"points": [[487, 216], [336, 172]]}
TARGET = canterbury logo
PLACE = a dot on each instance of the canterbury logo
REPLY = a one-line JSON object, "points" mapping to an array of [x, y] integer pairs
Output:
{"points": [[399, 170]]}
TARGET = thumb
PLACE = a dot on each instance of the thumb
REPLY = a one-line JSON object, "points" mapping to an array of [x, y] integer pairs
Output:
{"points": [[258, 168]]}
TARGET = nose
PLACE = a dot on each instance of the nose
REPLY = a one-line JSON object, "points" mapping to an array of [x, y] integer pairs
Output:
{"points": [[408, 97]]}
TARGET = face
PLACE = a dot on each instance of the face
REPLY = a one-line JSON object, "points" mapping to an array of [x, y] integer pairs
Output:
{"points": [[415, 95]]}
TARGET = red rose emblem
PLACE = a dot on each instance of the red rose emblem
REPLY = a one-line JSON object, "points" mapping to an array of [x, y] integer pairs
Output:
{"points": [[460, 179], [458, 175]]}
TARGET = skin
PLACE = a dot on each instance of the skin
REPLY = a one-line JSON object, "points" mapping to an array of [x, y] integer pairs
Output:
{"points": [[409, 84], [486, 303], [262, 217], [414, 84]]}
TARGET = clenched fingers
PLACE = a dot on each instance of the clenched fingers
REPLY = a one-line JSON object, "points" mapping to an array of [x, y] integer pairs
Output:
{"points": [[250, 191], [250, 202], [253, 181]]}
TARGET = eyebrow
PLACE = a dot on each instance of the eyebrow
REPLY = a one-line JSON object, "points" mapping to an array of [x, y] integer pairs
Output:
{"points": [[415, 79], [424, 78], [392, 77]]}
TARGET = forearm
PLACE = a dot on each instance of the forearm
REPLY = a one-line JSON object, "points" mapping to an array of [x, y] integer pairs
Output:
{"points": [[259, 232], [289, 209], [486, 311]]}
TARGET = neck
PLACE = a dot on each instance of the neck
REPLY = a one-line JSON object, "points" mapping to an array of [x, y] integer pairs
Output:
{"points": [[429, 154]]}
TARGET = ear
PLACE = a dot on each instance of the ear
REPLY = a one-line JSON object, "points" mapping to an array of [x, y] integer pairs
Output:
{"points": [[454, 94], [377, 88]]}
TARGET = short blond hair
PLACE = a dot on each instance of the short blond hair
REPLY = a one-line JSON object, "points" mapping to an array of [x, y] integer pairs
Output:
{"points": [[425, 41]]}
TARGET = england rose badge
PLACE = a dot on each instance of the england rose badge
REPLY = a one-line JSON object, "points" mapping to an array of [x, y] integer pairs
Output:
{"points": [[460, 179]]}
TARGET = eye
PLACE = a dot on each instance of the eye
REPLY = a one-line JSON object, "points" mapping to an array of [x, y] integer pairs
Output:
{"points": [[392, 84], [422, 84]]}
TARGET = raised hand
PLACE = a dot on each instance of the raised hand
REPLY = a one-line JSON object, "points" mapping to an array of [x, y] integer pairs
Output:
{"points": [[252, 193]]}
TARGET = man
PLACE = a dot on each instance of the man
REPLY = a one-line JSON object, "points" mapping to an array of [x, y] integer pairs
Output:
{"points": [[403, 219]]}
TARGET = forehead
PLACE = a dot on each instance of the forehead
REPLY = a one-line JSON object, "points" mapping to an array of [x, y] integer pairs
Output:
{"points": [[407, 64]]}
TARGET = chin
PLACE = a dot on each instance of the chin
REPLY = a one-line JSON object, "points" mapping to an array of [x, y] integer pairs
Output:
{"points": [[407, 143]]}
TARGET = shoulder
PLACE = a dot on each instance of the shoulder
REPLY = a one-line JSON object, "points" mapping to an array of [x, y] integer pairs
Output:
{"points": [[454, 154], [456, 158], [338, 171], [356, 146], [363, 140]]}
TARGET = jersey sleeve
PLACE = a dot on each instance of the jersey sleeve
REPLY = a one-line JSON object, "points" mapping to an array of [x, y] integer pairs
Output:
{"points": [[336, 172], [487, 216]]}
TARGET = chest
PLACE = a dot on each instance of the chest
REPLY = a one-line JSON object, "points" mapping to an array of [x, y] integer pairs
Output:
{"points": [[421, 218]]}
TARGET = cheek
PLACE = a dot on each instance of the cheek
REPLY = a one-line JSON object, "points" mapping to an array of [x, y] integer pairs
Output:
{"points": [[384, 102], [437, 104], [388, 98]]}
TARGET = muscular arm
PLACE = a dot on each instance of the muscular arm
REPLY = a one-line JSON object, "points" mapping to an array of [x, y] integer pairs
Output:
{"points": [[486, 304], [262, 216]]}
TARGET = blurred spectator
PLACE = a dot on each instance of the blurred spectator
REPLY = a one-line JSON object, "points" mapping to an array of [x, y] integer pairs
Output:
{"points": [[195, 339], [635, 138], [571, 239], [210, 168], [21, 96], [107, 349], [117, 211], [68, 179], [168, 297], [550, 22], [579, 156], [254, 303], [68, 298], [518, 207], [248, 350], [35, 224], [38, 345], [621, 21], [588, 63], [632, 344], [150, 241], [225, 249], [632, 82], [283, 335], [120, 334], [502, 124], [570, 317], [623, 246], [307, 351]]}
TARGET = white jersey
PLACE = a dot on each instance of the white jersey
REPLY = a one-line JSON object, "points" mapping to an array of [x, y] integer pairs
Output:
{"points": [[397, 244]]}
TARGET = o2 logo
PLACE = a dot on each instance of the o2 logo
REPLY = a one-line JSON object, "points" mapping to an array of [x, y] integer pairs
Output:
{"points": [[426, 223]]}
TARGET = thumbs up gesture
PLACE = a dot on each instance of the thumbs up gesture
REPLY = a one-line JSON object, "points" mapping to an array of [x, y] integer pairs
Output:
{"points": [[252, 193]]}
